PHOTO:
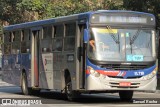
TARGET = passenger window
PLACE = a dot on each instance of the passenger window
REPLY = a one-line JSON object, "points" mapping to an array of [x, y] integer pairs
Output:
{"points": [[15, 48], [25, 35], [25, 47], [7, 42], [58, 38], [7, 48], [69, 40], [7, 37], [71, 29], [25, 44], [46, 42], [59, 31], [69, 44], [46, 45], [16, 36], [47, 32], [57, 44]]}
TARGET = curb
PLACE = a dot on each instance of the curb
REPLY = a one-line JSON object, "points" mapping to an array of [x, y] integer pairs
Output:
{"points": [[2, 84]]}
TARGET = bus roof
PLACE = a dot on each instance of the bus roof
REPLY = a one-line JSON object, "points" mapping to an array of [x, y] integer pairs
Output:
{"points": [[65, 18]]}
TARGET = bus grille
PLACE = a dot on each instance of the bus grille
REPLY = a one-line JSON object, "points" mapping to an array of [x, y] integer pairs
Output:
{"points": [[120, 77], [116, 85], [124, 67]]}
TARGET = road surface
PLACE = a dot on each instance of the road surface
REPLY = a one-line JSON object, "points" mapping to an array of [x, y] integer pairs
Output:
{"points": [[50, 99]]}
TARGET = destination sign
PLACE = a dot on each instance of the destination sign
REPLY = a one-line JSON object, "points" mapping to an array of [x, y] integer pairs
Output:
{"points": [[122, 18]]}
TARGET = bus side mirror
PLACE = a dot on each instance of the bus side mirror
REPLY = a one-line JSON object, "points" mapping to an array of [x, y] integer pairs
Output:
{"points": [[85, 36]]}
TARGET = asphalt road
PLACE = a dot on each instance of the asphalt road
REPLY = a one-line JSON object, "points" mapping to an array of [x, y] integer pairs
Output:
{"points": [[86, 100]]}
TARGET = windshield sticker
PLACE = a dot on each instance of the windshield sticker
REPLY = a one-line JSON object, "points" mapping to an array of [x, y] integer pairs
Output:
{"points": [[105, 30], [122, 34], [129, 58], [127, 34], [134, 57], [137, 57]]}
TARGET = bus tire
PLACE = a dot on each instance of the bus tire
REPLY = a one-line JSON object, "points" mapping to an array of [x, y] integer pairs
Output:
{"points": [[71, 94], [126, 95], [24, 85]]}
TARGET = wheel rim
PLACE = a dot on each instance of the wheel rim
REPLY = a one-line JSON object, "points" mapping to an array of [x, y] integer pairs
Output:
{"points": [[23, 84]]}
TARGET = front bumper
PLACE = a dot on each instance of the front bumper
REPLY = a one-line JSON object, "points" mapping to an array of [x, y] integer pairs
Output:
{"points": [[101, 84]]}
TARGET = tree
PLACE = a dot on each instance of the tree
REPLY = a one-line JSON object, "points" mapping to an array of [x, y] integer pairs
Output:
{"points": [[9, 11], [151, 6], [35, 9], [67, 7], [18, 11]]}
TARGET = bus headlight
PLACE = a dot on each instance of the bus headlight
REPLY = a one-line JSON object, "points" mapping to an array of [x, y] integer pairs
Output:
{"points": [[97, 74], [93, 72], [151, 75]]}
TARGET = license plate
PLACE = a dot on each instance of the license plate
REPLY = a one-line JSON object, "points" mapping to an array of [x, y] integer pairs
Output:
{"points": [[124, 84]]}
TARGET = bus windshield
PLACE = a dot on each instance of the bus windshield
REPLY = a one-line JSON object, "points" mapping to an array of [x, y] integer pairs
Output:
{"points": [[127, 45]]}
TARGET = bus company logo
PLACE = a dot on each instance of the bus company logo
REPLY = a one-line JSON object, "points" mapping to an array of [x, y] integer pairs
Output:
{"points": [[46, 61], [115, 73], [121, 73]]}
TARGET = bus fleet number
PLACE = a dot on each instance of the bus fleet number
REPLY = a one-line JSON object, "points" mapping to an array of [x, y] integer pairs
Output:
{"points": [[138, 73]]}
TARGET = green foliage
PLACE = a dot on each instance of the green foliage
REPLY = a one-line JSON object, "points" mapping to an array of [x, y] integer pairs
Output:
{"points": [[67, 7], [151, 6], [18, 11], [9, 10], [41, 7]]}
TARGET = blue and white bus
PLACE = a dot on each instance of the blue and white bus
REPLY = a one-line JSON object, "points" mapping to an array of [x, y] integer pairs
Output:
{"points": [[92, 52]]}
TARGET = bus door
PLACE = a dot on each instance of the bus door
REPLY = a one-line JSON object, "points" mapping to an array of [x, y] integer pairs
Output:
{"points": [[35, 45], [82, 57]]}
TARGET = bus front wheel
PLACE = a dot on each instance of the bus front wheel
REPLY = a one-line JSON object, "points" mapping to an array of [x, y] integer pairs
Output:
{"points": [[126, 95]]}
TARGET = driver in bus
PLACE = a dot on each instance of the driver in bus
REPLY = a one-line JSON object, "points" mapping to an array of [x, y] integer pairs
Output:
{"points": [[99, 42]]}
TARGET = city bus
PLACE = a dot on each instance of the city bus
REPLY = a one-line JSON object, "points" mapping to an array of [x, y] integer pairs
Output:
{"points": [[104, 51]]}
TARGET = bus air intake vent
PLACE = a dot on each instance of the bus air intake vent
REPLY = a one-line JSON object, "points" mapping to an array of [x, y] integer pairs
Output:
{"points": [[124, 67], [120, 77]]}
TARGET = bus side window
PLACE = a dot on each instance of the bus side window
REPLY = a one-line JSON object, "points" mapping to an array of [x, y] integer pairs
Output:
{"points": [[7, 37], [58, 38], [46, 42], [70, 33], [57, 44], [7, 42], [7, 48], [25, 41], [16, 42]]}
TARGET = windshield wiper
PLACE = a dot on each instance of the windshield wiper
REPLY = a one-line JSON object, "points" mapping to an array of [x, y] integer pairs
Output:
{"points": [[113, 35], [134, 37]]}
